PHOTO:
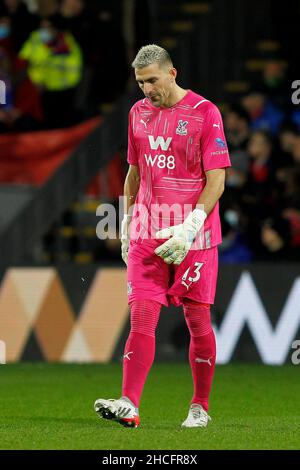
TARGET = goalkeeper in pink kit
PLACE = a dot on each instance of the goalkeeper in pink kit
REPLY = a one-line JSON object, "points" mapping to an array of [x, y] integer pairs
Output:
{"points": [[177, 155]]}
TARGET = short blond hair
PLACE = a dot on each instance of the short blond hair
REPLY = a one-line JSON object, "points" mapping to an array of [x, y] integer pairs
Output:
{"points": [[151, 54]]}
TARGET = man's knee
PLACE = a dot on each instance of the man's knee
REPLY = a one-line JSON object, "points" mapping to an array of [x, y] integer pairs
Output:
{"points": [[144, 316], [197, 317]]}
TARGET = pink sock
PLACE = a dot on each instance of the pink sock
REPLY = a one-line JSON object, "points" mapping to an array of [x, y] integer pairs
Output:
{"points": [[140, 348], [202, 352]]}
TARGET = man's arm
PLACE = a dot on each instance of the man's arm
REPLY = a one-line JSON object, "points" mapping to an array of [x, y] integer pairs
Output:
{"points": [[131, 187], [214, 188]]}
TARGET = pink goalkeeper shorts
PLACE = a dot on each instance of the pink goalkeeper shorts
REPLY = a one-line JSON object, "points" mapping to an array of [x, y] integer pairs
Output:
{"points": [[149, 277]]}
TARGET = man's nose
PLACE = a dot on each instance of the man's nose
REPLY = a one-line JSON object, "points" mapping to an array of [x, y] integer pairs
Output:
{"points": [[148, 88]]}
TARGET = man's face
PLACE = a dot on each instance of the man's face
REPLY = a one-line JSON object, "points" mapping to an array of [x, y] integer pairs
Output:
{"points": [[12, 4], [287, 140], [156, 83], [48, 29], [254, 103], [231, 122], [258, 145], [270, 237], [73, 5]]}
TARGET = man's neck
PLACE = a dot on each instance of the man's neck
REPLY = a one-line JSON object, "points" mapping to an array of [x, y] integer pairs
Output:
{"points": [[176, 96]]}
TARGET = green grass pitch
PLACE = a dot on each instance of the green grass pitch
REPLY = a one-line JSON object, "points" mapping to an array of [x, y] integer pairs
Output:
{"points": [[51, 407]]}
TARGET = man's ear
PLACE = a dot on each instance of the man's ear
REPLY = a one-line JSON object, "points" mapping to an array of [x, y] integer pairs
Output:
{"points": [[173, 73]]}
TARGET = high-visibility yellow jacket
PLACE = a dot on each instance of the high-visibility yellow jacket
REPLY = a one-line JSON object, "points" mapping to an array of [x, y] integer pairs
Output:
{"points": [[56, 72]]}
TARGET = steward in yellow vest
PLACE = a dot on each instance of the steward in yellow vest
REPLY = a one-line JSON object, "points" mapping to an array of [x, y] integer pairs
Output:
{"points": [[54, 57], [54, 65]]}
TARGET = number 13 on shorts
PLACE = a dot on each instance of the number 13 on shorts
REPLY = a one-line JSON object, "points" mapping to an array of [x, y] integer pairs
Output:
{"points": [[187, 280]]}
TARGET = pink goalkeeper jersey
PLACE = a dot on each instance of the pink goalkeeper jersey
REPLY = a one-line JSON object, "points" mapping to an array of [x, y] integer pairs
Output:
{"points": [[173, 148]]}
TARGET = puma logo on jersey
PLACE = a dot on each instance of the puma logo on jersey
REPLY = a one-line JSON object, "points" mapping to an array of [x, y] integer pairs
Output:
{"points": [[145, 122], [186, 285], [217, 125]]}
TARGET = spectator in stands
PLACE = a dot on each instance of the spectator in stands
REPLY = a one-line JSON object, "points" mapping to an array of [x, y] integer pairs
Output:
{"points": [[295, 116], [287, 140], [293, 216], [259, 196], [237, 129], [234, 248], [80, 21], [22, 22], [54, 63], [296, 150], [5, 34], [47, 7], [237, 122], [288, 134], [260, 151], [275, 240], [7, 112], [291, 178], [290, 194], [275, 83], [261, 175], [264, 115], [22, 109]]}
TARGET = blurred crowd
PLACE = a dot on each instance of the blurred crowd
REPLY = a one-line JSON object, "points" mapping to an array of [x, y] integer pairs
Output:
{"points": [[261, 205], [74, 56], [66, 55]]}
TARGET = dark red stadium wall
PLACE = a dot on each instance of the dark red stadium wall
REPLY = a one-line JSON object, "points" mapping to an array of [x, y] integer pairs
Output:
{"points": [[74, 314]]}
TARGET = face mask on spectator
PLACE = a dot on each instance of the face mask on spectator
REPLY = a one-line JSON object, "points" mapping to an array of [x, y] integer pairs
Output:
{"points": [[232, 218], [4, 31], [46, 35]]}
